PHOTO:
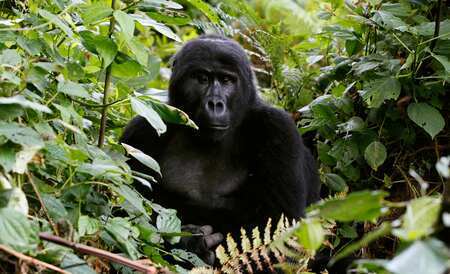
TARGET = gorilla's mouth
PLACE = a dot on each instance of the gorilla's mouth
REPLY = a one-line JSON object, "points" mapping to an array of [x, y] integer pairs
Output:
{"points": [[218, 127]]}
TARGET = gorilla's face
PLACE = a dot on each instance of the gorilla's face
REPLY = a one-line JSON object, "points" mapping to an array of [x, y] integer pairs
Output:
{"points": [[210, 94], [210, 82]]}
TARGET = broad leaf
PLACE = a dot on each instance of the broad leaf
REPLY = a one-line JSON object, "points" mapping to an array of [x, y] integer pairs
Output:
{"points": [[142, 157], [357, 206], [149, 114], [206, 9], [419, 219], [23, 102], [335, 182], [159, 27], [14, 198], [310, 234], [126, 23], [18, 134], [95, 12], [377, 91], [426, 117], [375, 154], [15, 230], [57, 21], [72, 89]]}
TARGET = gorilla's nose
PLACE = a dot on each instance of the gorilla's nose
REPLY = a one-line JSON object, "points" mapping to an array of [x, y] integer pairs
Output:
{"points": [[215, 106]]}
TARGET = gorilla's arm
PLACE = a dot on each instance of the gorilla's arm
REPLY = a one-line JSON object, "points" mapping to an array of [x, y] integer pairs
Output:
{"points": [[283, 167]]}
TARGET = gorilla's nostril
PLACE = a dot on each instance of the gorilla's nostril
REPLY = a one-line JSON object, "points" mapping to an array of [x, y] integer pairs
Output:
{"points": [[210, 105], [220, 107]]}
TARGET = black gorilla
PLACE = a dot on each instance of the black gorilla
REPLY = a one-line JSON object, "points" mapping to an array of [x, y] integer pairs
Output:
{"points": [[246, 163]]}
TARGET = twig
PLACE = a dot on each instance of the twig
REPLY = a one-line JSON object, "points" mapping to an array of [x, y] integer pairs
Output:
{"points": [[99, 253], [101, 134], [38, 195], [31, 260]]}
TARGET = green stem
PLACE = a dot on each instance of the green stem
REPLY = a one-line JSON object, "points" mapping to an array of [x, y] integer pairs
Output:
{"points": [[108, 77]]}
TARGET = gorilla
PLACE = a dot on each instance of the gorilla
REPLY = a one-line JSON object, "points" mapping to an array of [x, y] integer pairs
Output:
{"points": [[246, 163]]}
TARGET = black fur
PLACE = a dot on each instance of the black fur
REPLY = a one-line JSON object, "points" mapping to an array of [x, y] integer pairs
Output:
{"points": [[256, 168]]}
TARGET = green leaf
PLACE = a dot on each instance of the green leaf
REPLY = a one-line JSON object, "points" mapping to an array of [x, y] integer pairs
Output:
{"points": [[23, 102], [426, 117], [357, 206], [95, 12], [189, 257], [75, 265], [73, 89], [23, 157], [7, 157], [120, 230], [126, 23], [14, 198], [56, 20], [15, 230], [377, 91], [142, 157], [88, 225], [168, 222], [159, 27], [375, 154], [389, 21], [353, 124], [18, 134], [106, 48], [127, 69], [139, 51], [55, 207], [172, 114], [419, 219], [206, 9], [310, 234], [160, 4], [10, 57], [131, 196], [149, 114], [335, 182], [443, 60], [421, 257]]}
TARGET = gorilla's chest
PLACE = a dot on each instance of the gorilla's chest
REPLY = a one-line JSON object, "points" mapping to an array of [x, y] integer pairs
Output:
{"points": [[207, 179]]}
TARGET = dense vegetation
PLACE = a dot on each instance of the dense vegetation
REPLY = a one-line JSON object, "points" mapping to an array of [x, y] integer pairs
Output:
{"points": [[366, 81]]}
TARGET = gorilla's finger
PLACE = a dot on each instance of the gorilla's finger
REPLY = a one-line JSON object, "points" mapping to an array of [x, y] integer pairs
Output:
{"points": [[213, 239], [209, 257], [206, 229]]}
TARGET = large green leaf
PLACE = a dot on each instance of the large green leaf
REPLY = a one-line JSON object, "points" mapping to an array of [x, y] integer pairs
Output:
{"points": [[335, 182], [310, 234], [419, 219], [426, 117], [14, 198], [143, 158], [421, 257], [375, 154], [57, 21], [159, 27], [149, 114], [206, 9], [172, 114], [377, 91], [18, 134], [95, 12], [15, 230], [126, 23], [357, 206], [72, 89], [23, 102]]}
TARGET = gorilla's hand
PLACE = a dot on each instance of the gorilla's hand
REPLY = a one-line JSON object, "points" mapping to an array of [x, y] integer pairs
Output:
{"points": [[202, 242]]}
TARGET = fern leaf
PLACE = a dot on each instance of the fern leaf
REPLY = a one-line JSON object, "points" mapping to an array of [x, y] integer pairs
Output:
{"points": [[245, 242], [267, 238]]}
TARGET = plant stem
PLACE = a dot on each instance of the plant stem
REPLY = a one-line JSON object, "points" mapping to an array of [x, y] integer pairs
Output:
{"points": [[101, 134], [437, 24]]}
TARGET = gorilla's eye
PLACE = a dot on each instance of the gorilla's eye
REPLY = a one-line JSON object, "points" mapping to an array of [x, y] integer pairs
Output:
{"points": [[201, 77], [227, 79]]}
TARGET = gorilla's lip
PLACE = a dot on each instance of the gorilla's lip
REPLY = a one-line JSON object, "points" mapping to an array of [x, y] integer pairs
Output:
{"points": [[219, 127]]}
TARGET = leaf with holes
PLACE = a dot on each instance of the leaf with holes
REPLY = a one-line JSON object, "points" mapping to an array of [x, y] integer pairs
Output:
{"points": [[426, 117], [377, 91]]}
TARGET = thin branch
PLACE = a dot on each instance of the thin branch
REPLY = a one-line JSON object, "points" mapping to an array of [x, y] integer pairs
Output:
{"points": [[38, 195], [99, 253], [98, 105], [101, 134], [31, 260]]}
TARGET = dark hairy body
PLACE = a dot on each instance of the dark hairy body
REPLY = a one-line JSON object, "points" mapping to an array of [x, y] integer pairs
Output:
{"points": [[247, 161]]}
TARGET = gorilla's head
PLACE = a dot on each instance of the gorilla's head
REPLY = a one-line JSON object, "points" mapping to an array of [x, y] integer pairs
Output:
{"points": [[213, 83]]}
